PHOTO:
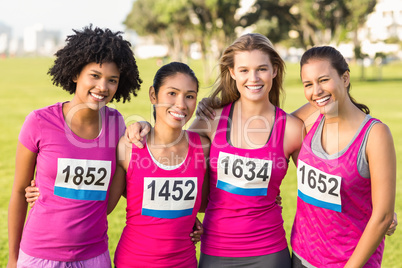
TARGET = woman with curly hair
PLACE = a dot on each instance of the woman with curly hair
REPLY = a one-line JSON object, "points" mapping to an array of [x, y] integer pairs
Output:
{"points": [[72, 147]]}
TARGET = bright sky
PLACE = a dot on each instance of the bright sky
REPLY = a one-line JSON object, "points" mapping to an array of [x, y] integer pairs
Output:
{"points": [[64, 15]]}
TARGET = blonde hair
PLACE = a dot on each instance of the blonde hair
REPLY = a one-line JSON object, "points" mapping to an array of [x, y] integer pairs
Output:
{"points": [[226, 90]]}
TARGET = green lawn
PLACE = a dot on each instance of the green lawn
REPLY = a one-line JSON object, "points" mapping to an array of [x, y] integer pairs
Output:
{"points": [[25, 86]]}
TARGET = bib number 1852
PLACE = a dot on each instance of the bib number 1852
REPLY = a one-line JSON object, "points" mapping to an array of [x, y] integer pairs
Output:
{"points": [[82, 179], [93, 175]]}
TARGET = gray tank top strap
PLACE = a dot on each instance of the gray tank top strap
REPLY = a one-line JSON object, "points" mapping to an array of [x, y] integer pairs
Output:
{"points": [[362, 164]]}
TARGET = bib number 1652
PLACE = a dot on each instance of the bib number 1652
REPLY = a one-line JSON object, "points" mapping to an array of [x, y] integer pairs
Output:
{"points": [[318, 188]]}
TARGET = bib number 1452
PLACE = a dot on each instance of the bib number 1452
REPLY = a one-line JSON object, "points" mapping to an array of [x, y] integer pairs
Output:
{"points": [[169, 197]]}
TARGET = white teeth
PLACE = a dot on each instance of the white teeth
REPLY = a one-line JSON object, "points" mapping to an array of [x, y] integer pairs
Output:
{"points": [[99, 97], [254, 87], [177, 115], [322, 100]]}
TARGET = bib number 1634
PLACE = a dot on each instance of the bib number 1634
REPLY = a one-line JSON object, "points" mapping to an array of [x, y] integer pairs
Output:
{"points": [[243, 175], [246, 169]]}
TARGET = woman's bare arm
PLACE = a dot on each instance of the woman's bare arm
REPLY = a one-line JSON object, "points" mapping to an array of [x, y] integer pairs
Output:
{"points": [[24, 172], [382, 163]]}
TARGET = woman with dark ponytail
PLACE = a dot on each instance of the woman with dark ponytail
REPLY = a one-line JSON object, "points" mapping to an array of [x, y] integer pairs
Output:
{"points": [[346, 171], [338, 62]]}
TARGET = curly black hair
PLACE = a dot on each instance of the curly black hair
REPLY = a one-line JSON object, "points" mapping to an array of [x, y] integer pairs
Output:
{"points": [[96, 45]]}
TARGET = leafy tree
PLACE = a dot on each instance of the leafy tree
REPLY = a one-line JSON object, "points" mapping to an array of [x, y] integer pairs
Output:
{"points": [[142, 19], [316, 22], [178, 23], [215, 24], [167, 21], [360, 10], [273, 18]]}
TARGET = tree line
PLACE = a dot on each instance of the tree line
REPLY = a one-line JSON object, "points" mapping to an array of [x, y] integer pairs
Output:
{"points": [[214, 24]]}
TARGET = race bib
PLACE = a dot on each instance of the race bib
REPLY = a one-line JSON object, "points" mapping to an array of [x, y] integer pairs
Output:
{"points": [[242, 175], [318, 188], [82, 179], [169, 198]]}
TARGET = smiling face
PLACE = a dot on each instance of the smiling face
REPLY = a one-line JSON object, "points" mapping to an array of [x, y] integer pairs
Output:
{"points": [[175, 101], [253, 72], [324, 88], [96, 84]]}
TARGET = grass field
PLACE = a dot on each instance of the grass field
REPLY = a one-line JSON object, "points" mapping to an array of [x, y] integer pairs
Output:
{"points": [[25, 86]]}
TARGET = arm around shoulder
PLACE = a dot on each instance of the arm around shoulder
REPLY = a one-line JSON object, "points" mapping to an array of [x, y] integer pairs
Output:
{"points": [[206, 127], [205, 186], [308, 114], [136, 132], [294, 134], [118, 186]]}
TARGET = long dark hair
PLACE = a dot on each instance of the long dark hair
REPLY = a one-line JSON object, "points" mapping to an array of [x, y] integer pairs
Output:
{"points": [[337, 61]]}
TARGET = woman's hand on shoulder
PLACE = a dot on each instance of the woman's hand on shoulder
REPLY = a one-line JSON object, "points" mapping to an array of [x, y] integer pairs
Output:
{"points": [[205, 110], [206, 127], [136, 132]]}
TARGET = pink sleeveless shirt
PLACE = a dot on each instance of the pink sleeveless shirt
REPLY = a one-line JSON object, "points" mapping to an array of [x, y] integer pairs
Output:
{"points": [[69, 220], [242, 218], [333, 206], [161, 209]]}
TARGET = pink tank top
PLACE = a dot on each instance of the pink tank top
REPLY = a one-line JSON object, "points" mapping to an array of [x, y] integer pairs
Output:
{"points": [[69, 221], [161, 209], [333, 206], [242, 218]]}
